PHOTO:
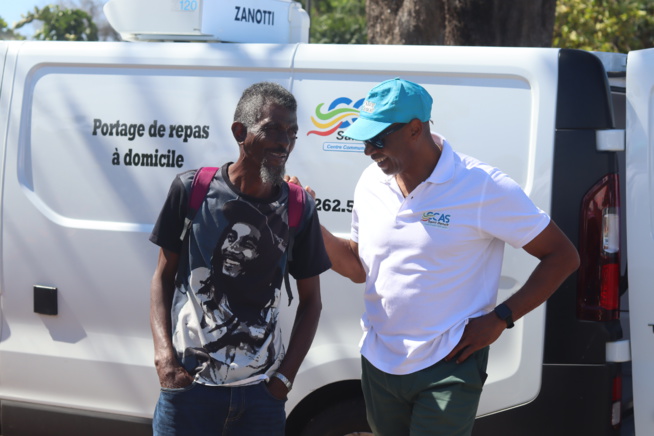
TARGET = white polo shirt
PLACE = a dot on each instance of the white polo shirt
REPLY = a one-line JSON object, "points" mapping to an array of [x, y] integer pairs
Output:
{"points": [[433, 259]]}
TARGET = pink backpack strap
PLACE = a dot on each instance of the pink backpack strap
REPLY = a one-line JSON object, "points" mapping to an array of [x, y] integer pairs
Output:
{"points": [[295, 205], [200, 186], [199, 189], [296, 202]]}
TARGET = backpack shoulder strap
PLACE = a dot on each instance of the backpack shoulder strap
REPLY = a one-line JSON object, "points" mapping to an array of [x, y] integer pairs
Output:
{"points": [[199, 189], [296, 202], [295, 205], [200, 186]]}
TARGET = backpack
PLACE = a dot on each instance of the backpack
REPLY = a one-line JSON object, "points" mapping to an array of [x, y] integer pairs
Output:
{"points": [[296, 200]]}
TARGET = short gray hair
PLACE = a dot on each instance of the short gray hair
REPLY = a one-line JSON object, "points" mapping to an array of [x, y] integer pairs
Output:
{"points": [[256, 97]]}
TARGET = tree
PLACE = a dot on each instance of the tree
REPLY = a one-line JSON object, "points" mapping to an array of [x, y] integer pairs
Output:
{"points": [[338, 21], [61, 24], [6, 32], [405, 21], [94, 9], [604, 25], [461, 22]]}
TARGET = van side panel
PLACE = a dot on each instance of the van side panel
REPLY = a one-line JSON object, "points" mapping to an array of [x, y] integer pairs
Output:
{"points": [[97, 132], [5, 98], [22, 418], [640, 221]]}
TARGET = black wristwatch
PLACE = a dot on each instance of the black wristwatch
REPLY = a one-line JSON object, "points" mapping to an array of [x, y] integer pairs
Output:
{"points": [[504, 313]]}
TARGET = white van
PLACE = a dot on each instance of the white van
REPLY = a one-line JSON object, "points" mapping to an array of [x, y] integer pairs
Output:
{"points": [[91, 135]]}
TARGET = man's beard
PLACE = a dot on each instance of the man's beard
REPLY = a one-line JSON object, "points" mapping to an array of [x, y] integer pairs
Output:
{"points": [[273, 175]]}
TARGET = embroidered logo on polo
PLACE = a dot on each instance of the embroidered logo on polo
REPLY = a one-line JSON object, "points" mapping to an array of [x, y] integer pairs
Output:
{"points": [[436, 219]]}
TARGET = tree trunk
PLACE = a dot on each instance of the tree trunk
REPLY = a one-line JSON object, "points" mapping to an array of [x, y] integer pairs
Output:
{"points": [[521, 23]]}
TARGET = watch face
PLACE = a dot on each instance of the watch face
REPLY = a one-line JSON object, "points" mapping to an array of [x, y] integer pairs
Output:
{"points": [[504, 313]]}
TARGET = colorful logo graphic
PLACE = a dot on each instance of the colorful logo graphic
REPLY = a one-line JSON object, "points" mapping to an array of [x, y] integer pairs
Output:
{"points": [[437, 219], [336, 117]]}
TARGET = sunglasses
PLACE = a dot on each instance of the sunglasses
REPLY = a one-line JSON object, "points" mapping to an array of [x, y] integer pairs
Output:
{"points": [[378, 141]]}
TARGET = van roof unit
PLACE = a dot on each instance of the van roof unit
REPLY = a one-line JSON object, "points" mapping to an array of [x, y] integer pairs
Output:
{"points": [[267, 21]]}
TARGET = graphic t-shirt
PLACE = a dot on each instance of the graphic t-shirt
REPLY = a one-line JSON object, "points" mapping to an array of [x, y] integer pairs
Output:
{"points": [[229, 284]]}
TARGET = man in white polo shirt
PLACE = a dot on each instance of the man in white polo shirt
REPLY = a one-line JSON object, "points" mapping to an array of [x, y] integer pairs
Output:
{"points": [[428, 232]]}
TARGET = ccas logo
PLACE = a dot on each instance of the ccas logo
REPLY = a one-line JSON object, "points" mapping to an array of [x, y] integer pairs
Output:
{"points": [[336, 117], [437, 219]]}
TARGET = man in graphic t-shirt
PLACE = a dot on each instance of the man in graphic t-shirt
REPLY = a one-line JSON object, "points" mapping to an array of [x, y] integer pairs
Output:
{"points": [[215, 296]]}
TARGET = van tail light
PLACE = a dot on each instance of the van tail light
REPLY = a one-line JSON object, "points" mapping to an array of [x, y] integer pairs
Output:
{"points": [[616, 402], [598, 286]]}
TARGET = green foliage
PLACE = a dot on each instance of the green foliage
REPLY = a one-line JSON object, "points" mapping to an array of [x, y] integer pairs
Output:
{"points": [[604, 25], [60, 24], [6, 32], [338, 21]]}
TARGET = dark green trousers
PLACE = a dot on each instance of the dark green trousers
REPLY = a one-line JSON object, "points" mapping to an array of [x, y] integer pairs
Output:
{"points": [[440, 400]]}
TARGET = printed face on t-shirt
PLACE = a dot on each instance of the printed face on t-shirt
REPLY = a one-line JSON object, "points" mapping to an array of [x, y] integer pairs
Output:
{"points": [[240, 248]]}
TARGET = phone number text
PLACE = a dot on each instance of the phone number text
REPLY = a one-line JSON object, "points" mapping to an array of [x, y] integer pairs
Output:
{"points": [[334, 205]]}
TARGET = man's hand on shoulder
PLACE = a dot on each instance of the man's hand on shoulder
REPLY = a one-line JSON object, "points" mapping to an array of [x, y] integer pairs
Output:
{"points": [[294, 180]]}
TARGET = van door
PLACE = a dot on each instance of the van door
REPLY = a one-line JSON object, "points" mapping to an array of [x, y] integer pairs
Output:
{"points": [[3, 134], [640, 231], [4, 99]]}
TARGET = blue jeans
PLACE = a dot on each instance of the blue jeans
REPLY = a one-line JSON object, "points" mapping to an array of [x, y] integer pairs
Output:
{"points": [[199, 410]]}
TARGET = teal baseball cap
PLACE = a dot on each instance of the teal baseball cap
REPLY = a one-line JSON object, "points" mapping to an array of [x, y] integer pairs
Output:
{"points": [[392, 101]]}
